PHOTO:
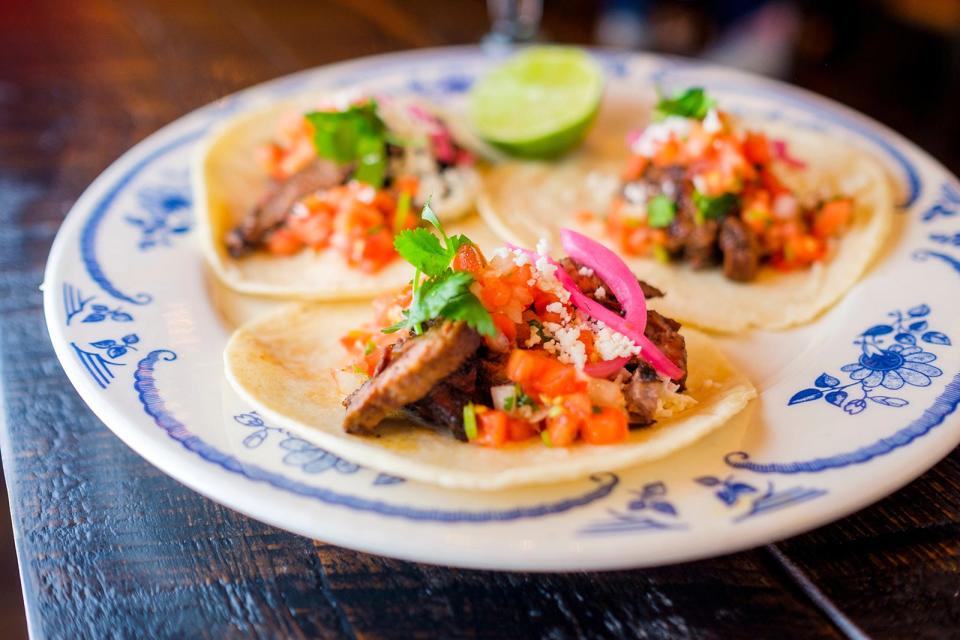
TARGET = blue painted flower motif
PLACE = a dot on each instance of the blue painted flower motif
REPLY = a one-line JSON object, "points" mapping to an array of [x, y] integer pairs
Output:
{"points": [[167, 214], [947, 205], [74, 303], [891, 357], [652, 497], [894, 367], [301, 453], [730, 491], [649, 511]]}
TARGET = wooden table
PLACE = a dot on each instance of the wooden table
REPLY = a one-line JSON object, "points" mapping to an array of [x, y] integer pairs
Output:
{"points": [[109, 546]]}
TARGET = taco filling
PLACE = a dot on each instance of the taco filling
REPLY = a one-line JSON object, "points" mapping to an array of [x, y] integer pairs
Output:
{"points": [[699, 189], [517, 346], [349, 180]]}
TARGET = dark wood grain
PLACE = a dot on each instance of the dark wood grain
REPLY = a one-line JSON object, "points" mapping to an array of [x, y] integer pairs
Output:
{"points": [[108, 546]]}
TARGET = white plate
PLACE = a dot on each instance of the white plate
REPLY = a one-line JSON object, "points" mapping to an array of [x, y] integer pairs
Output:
{"points": [[129, 310]]}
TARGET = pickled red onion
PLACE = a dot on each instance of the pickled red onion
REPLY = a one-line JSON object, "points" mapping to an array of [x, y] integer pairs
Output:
{"points": [[629, 324], [612, 271], [782, 153]]}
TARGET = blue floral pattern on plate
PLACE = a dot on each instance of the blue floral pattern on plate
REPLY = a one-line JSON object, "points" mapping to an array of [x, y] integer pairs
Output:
{"points": [[302, 454], [892, 356], [166, 213], [648, 511]]}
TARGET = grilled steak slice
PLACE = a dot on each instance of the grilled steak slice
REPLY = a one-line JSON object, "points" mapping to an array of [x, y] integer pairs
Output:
{"points": [[411, 371], [741, 249], [664, 332], [442, 407], [701, 249], [641, 392], [642, 389], [275, 207]]}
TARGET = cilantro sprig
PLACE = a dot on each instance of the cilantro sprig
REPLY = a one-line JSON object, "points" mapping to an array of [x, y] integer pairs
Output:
{"points": [[714, 208], [355, 135], [692, 103], [444, 293]]}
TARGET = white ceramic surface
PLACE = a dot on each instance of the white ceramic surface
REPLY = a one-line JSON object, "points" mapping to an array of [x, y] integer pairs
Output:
{"points": [[130, 312]]}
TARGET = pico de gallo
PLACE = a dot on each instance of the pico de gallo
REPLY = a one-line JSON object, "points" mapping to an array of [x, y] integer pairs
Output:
{"points": [[516, 346], [349, 179], [698, 188]]}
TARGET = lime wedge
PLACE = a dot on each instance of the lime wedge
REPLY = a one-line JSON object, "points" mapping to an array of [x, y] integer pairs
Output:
{"points": [[539, 103]]}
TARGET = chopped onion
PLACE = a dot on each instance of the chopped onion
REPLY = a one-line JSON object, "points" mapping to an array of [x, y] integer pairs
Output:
{"points": [[501, 393], [605, 393]]}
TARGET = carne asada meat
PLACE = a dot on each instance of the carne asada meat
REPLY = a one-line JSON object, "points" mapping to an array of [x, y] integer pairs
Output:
{"points": [[642, 389], [741, 249], [412, 369], [664, 332], [641, 392], [276, 206], [443, 405]]}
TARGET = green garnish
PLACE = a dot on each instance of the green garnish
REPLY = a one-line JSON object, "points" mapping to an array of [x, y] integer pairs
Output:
{"points": [[519, 399], [660, 211], [713, 208], [445, 293], [536, 326], [692, 103], [354, 135], [660, 253], [470, 421], [545, 436], [403, 211]]}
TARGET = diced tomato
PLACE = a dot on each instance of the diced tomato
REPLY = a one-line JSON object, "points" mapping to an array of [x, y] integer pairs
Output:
{"points": [[407, 184], [563, 429], [756, 148], [470, 259], [584, 216], [284, 242], [668, 153], [519, 429], [586, 337], [832, 217], [495, 294], [314, 228], [541, 374], [566, 419], [606, 426], [505, 326], [377, 250], [636, 165], [491, 428]]}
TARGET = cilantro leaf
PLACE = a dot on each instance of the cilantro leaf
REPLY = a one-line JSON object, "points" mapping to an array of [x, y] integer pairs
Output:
{"points": [[660, 211], [692, 103], [353, 135], [422, 249], [467, 307], [714, 208], [447, 295]]}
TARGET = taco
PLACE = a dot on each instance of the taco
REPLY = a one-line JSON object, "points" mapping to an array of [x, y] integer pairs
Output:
{"points": [[520, 369], [303, 199], [744, 228]]}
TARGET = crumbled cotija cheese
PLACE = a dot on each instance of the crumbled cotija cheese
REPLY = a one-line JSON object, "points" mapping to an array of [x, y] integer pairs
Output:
{"points": [[611, 345]]}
